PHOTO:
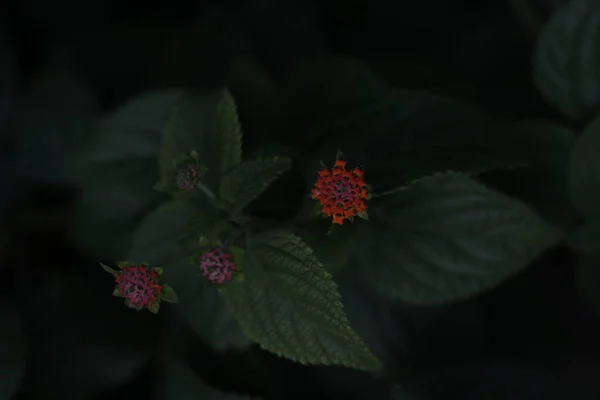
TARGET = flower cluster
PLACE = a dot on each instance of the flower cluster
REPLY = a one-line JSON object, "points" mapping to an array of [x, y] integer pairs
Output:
{"points": [[187, 176], [139, 285], [341, 193], [217, 266]]}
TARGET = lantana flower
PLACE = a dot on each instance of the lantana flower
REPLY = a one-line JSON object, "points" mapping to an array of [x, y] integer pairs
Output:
{"points": [[217, 266], [139, 285], [342, 194]]}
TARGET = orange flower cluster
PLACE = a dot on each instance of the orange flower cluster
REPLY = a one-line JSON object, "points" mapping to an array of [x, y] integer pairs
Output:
{"points": [[341, 193]]}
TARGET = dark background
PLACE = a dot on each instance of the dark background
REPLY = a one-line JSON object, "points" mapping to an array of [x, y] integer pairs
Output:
{"points": [[476, 50]]}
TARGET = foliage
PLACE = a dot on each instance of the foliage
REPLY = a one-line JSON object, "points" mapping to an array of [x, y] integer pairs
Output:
{"points": [[286, 211]]}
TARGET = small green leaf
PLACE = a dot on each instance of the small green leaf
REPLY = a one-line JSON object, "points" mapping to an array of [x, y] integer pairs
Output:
{"points": [[205, 122], [116, 292], [169, 295], [155, 307], [159, 270], [290, 306], [248, 181], [447, 237], [109, 270], [584, 173], [567, 58], [123, 264]]}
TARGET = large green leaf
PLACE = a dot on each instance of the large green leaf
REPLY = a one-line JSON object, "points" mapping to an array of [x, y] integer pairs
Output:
{"points": [[12, 352], [567, 58], [585, 172], [410, 134], [205, 122], [291, 307], [249, 179], [116, 174], [544, 182], [168, 238], [447, 237], [53, 120], [181, 383]]}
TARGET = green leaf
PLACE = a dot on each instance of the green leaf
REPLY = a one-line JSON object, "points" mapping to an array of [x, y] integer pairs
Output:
{"points": [[116, 173], [290, 306], [205, 122], [567, 58], [248, 181], [181, 383], [155, 307], [169, 237], [52, 123], [584, 173], [447, 237], [544, 182], [109, 269], [405, 135], [12, 352], [169, 295]]}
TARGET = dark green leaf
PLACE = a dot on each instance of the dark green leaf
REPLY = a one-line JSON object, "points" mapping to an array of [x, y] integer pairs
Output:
{"points": [[406, 135], [116, 174], [497, 381], [169, 295], [544, 182], [169, 237], [447, 237], [249, 180], [12, 352], [205, 122], [567, 58], [181, 383], [108, 269], [289, 305], [54, 120], [585, 172]]}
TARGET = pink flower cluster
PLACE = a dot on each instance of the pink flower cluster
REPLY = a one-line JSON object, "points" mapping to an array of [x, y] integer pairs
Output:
{"points": [[217, 266]]}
